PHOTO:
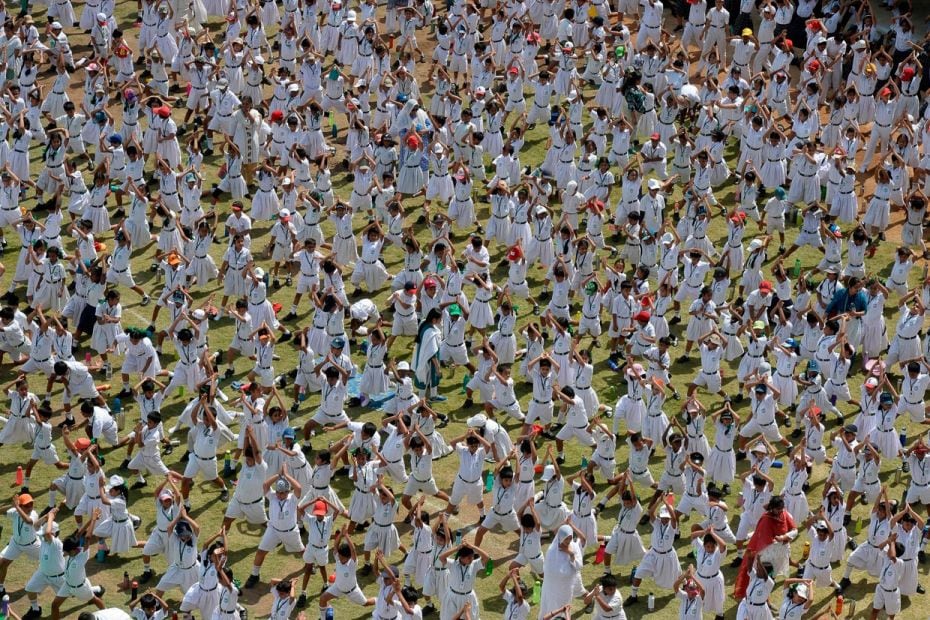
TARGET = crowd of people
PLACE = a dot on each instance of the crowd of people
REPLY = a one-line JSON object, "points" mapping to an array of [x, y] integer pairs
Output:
{"points": [[561, 201]]}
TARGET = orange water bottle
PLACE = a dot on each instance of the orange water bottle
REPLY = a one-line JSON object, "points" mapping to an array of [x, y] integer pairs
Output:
{"points": [[839, 604], [807, 550], [19, 476]]}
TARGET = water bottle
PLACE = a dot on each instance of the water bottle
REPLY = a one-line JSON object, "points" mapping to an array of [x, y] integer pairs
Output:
{"points": [[101, 552], [839, 604], [364, 346], [489, 568], [488, 481], [807, 550], [926, 534], [458, 537], [797, 268], [536, 593], [108, 370], [777, 464], [651, 602], [465, 381], [302, 394], [87, 359], [330, 614], [5, 606], [135, 589], [333, 130], [903, 438], [584, 462], [227, 465], [601, 552]]}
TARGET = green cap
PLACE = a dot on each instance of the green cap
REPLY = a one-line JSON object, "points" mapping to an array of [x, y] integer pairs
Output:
{"points": [[455, 310]]}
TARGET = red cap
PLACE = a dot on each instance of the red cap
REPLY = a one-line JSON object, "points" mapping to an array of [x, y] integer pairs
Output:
{"points": [[654, 136], [813, 65], [277, 115], [642, 315], [885, 92], [907, 73], [765, 286], [789, 43], [514, 254]]}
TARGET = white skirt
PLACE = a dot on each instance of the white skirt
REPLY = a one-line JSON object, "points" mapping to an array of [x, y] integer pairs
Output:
{"points": [[361, 507], [384, 538], [480, 315], [265, 206], [721, 466], [374, 381], [121, 534], [203, 269]]}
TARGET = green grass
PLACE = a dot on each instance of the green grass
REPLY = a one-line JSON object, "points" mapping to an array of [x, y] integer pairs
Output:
{"points": [[244, 539]]}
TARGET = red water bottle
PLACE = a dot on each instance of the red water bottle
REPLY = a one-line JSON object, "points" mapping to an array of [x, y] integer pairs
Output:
{"points": [[19, 476], [601, 552], [839, 604]]}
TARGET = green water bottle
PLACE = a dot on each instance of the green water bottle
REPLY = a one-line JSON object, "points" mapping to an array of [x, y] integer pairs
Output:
{"points": [[488, 481], [584, 462], [333, 130], [536, 592], [489, 568], [797, 268], [465, 381]]}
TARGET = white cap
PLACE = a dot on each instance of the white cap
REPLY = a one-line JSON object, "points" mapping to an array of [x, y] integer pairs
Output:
{"points": [[286, 181], [258, 60], [760, 447], [755, 244], [199, 314], [480, 90], [259, 273], [293, 88], [284, 213], [769, 9], [55, 527], [350, 16], [116, 481], [572, 94], [437, 148], [571, 187], [664, 513], [653, 184], [222, 83], [101, 17], [56, 25], [403, 366], [363, 331], [540, 210], [859, 45], [667, 238], [801, 590], [548, 473], [476, 421]]}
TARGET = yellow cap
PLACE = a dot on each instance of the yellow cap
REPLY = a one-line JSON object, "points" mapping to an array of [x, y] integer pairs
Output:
{"points": [[747, 32]]}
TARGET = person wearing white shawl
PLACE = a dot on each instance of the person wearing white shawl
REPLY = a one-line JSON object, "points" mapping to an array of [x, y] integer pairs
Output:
{"points": [[426, 354], [562, 568], [411, 116]]}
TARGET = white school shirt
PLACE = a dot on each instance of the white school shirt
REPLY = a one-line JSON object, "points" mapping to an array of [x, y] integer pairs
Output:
{"points": [[282, 514], [470, 464]]}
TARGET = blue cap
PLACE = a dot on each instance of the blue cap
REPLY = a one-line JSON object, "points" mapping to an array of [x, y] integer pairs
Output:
{"points": [[289, 433], [780, 193], [790, 343], [812, 365], [885, 398], [115, 138], [761, 388], [338, 343]]}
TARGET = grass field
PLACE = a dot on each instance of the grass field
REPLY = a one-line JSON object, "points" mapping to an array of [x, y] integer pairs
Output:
{"points": [[208, 509]]}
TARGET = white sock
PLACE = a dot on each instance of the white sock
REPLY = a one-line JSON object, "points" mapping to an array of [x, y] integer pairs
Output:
{"points": [[34, 604], [51, 497], [256, 570], [141, 479], [26, 481]]}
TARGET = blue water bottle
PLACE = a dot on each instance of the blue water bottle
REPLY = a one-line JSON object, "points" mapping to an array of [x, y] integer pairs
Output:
{"points": [[903, 438], [330, 613]]}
